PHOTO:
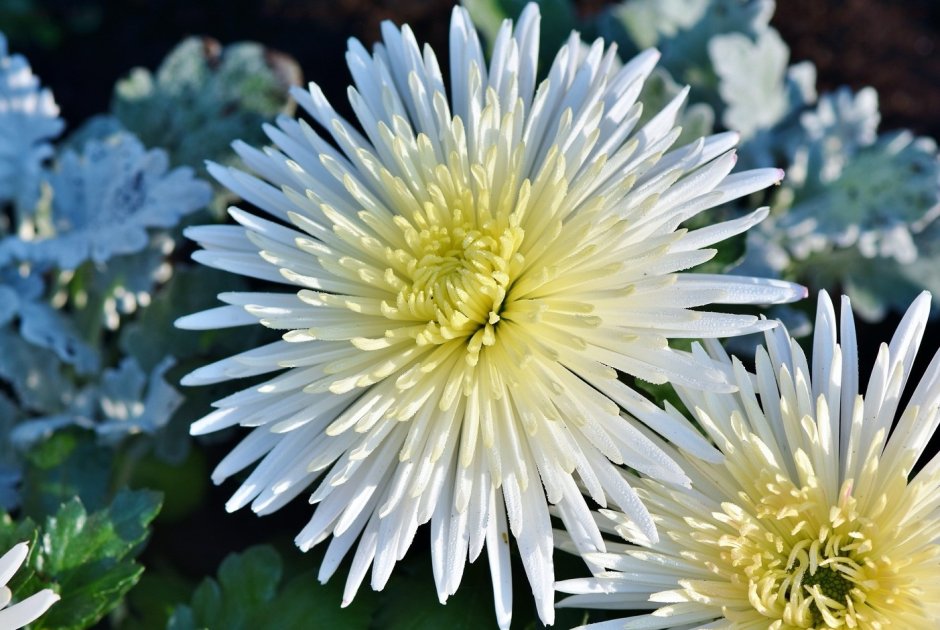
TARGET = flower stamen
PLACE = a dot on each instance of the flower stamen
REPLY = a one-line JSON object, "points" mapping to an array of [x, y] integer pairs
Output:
{"points": [[458, 272]]}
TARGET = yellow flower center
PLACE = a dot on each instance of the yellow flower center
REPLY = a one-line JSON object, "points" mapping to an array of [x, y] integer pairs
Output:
{"points": [[460, 273], [459, 259], [806, 562], [831, 583]]}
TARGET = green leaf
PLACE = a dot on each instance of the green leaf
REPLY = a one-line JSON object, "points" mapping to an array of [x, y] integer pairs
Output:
{"points": [[248, 592], [250, 580], [67, 464], [12, 532], [329, 613], [90, 591], [90, 557], [410, 602], [131, 512], [87, 558]]}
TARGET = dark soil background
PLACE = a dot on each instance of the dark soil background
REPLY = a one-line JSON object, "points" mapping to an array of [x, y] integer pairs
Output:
{"points": [[892, 46], [80, 47]]}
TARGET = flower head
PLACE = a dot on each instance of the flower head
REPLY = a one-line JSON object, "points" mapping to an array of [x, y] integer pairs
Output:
{"points": [[816, 518], [466, 277], [31, 608]]}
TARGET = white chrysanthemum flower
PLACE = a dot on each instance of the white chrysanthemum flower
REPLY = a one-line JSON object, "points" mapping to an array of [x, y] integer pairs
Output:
{"points": [[465, 282], [31, 608], [815, 519]]}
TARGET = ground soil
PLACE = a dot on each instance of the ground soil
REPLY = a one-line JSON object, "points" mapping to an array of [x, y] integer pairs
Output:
{"points": [[893, 46]]}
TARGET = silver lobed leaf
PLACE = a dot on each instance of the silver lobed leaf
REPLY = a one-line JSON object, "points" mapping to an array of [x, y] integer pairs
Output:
{"points": [[29, 119], [105, 200]]}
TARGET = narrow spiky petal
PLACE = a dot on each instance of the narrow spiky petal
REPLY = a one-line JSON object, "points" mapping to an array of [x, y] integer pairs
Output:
{"points": [[28, 610]]}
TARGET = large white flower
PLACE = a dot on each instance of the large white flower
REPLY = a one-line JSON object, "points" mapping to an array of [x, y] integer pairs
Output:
{"points": [[816, 519], [31, 608], [466, 278]]}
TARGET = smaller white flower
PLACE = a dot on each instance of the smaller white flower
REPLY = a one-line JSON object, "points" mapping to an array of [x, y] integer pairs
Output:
{"points": [[817, 518], [31, 608]]}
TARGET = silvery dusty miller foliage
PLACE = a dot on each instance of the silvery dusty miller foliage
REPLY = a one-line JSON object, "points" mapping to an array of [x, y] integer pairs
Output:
{"points": [[29, 119]]}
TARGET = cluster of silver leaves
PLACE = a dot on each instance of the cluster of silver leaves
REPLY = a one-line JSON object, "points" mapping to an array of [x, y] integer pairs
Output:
{"points": [[857, 210], [88, 231], [29, 119]]}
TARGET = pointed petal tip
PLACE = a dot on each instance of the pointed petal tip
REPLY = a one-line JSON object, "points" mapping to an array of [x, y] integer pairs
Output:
{"points": [[212, 165], [188, 233], [822, 297], [713, 456], [183, 323], [529, 9], [786, 292], [22, 549], [761, 213], [190, 381], [650, 56]]}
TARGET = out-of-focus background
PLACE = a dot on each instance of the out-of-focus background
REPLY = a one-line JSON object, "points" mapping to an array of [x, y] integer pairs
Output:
{"points": [[80, 47]]}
